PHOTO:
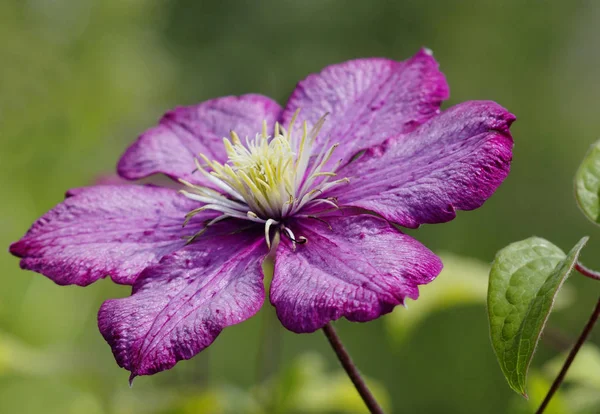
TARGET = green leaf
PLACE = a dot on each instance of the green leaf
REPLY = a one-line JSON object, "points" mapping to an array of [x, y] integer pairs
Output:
{"points": [[524, 281], [587, 184], [463, 282]]}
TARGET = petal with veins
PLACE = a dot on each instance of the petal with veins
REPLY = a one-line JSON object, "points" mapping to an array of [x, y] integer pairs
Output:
{"points": [[185, 132], [369, 100], [107, 230], [453, 162], [179, 306], [359, 268]]}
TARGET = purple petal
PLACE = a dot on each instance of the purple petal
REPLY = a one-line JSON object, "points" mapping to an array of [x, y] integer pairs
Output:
{"points": [[185, 132], [360, 269], [454, 162], [369, 100], [180, 306], [106, 230]]}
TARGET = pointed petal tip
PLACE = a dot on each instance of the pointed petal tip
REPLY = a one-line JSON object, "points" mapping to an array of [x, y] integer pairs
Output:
{"points": [[131, 378], [425, 51], [16, 248]]}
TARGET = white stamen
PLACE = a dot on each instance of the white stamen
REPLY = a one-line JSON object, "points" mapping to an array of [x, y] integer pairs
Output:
{"points": [[267, 179], [268, 225]]}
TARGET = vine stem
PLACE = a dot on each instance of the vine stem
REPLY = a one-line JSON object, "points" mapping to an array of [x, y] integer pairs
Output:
{"points": [[351, 370], [587, 272], [582, 337]]}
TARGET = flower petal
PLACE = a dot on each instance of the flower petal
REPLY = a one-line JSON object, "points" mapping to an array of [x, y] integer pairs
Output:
{"points": [[360, 268], [454, 162], [106, 230], [185, 132], [369, 100], [179, 306]]}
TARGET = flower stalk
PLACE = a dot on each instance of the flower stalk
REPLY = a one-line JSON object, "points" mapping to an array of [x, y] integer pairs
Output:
{"points": [[572, 354], [351, 370]]}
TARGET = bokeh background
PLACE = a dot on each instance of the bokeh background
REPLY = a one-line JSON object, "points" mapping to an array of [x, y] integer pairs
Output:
{"points": [[79, 79]]}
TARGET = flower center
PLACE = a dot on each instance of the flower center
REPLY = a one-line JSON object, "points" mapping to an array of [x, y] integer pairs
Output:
{"points": [[266, 179]]}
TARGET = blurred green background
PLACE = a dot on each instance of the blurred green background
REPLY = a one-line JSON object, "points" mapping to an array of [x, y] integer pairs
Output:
{"points": [[79, 79]]}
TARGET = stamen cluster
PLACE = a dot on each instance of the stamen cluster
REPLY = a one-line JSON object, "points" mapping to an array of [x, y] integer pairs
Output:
{"points": [[266, 179]]}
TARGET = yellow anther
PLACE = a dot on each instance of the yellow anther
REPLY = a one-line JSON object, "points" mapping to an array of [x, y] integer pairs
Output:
{"points": [[266, 179]]}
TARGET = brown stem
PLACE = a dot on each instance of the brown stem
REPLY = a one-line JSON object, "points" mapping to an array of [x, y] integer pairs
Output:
{"points": [[561, 375], [587, 272], [351, 370]]}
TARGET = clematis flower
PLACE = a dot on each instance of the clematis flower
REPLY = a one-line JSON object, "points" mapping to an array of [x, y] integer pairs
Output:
{"points": [[323, 183]]}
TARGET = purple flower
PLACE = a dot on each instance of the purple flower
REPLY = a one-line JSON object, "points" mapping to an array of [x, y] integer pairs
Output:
{"points": [[358, 147]]}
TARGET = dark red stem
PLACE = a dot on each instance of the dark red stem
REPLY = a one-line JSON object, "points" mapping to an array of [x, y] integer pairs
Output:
{"points": [[351, 370], [561, 375], [592, 274]]}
